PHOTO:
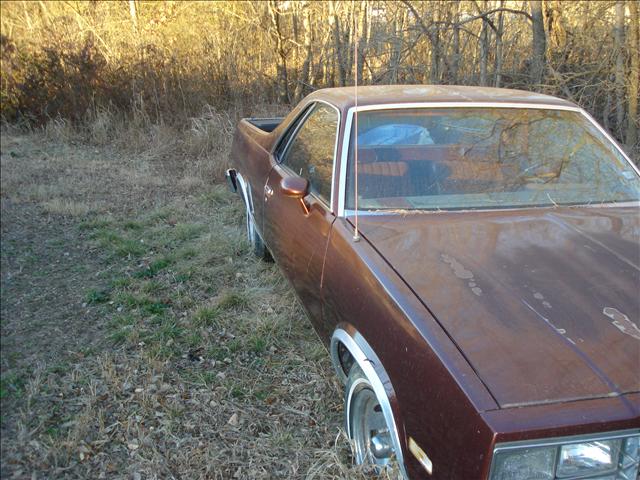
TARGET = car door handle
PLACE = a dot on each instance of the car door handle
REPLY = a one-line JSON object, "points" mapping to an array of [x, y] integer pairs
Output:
{"points": [[268, 191]]}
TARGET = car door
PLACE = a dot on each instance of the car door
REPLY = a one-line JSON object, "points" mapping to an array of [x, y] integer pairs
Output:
{"points": [[297, 230]]}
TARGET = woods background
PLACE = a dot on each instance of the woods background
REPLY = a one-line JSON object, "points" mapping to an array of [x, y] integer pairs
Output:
{"points": [[178, 63], [139, 337]]}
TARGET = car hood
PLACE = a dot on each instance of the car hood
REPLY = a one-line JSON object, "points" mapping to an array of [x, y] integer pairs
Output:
{"points": [[543, 303]]}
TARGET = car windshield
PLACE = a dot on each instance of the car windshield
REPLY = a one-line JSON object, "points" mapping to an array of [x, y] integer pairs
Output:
{"points": [[479, 158]]}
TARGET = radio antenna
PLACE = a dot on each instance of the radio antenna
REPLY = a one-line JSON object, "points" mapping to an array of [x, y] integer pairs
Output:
{"points": [[356, 233]]}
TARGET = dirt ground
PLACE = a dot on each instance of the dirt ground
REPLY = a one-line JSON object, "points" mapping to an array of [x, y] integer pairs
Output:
{"points": [[140, 339]]}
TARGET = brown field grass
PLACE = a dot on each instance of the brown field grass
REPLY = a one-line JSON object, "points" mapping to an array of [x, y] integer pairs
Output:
{"points": [[140, 339]]}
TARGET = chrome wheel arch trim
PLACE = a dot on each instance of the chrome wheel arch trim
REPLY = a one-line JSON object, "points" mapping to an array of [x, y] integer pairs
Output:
{"points": [[248, 200], [244, 192], [377, 376]]}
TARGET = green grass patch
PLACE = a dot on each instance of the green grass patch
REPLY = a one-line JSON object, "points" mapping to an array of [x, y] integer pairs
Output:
{"points": [[257, 344], [187, 231], [187, 253], [217, 353], [206, 316], [96, 223], [238, 392], [194, 340], [154, 267], [184, 277], [233, 301], [161, 214], [169, 330], [11, 384], [121, 282], [234, 345], [94, 296], [121, 327], [132, 225], [118, 245], [152, 287], [58, 368], [262, 395], [145, 304], [155, 308]]}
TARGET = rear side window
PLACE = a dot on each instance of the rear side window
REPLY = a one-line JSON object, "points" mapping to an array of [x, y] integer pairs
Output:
{"points": [[311, 151], [284, 141]]}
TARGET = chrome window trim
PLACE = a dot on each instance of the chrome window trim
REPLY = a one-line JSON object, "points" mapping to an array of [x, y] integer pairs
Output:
{"points": [[346, 139], [308, 109], [559, 441]]}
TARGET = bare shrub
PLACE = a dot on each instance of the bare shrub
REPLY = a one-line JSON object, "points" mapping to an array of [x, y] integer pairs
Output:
{"points": [[181, 64]]}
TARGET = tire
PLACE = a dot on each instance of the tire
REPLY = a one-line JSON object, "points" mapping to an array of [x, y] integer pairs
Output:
{"points": [[256, 243], [370, 436]]}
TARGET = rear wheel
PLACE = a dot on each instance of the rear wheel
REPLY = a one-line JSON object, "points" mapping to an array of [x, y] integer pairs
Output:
{"points": [[369, 433]]}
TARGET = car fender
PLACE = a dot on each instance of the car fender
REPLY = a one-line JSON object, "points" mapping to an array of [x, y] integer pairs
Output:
{"points": [[373, 369]]}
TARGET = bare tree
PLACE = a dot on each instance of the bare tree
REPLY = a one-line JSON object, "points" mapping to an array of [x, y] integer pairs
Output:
{"points": [[277, 35], [455, 57], [334, 21], [582, 50], [484, 50], [362, 38], [498, 59], [634, 76], [618, 34], [303, 79], [538, 63], [133, 14]]}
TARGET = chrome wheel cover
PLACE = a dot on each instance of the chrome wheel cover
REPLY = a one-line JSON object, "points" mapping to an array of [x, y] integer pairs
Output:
{"points": [[368, 428]]}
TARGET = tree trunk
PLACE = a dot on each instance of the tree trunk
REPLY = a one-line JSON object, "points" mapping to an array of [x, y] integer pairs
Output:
{"points": [[304, 72], [484, 53], [436, 48], [455, 61], [276, 33], [334, 21], [133, 14], [634, 77], [498, 61], [618, 35], [539, 41], [362, 39], [396, 49]]}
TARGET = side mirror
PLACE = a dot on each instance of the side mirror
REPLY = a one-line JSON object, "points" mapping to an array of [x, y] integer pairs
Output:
{"points": [[295, 187], [298, 188]]}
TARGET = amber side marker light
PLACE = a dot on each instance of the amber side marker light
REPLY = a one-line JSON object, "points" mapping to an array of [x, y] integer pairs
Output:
{"points": [[421, 456]]}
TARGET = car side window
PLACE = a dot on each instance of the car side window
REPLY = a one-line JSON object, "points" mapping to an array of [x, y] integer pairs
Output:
{"points": [[284, 140], [311, 151]]}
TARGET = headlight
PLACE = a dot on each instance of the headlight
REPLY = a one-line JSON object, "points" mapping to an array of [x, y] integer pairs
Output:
{"points": [[605, 457]]}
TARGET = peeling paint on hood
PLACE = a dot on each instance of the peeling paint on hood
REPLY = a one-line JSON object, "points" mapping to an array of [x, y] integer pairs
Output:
{"points": [[558, 316]]}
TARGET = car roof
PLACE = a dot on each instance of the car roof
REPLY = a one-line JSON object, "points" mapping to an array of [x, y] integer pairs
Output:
{"points": [[344, 97]]}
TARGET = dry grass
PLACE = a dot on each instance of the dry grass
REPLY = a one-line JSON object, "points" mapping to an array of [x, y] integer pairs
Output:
{"points": [[140, 339]]}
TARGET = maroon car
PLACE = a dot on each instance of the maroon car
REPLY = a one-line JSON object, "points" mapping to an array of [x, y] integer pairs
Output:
{"points": [[471, 256]]}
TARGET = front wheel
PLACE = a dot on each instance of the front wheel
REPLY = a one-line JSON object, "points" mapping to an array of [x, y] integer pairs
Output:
{"points": [[370, 436]]}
